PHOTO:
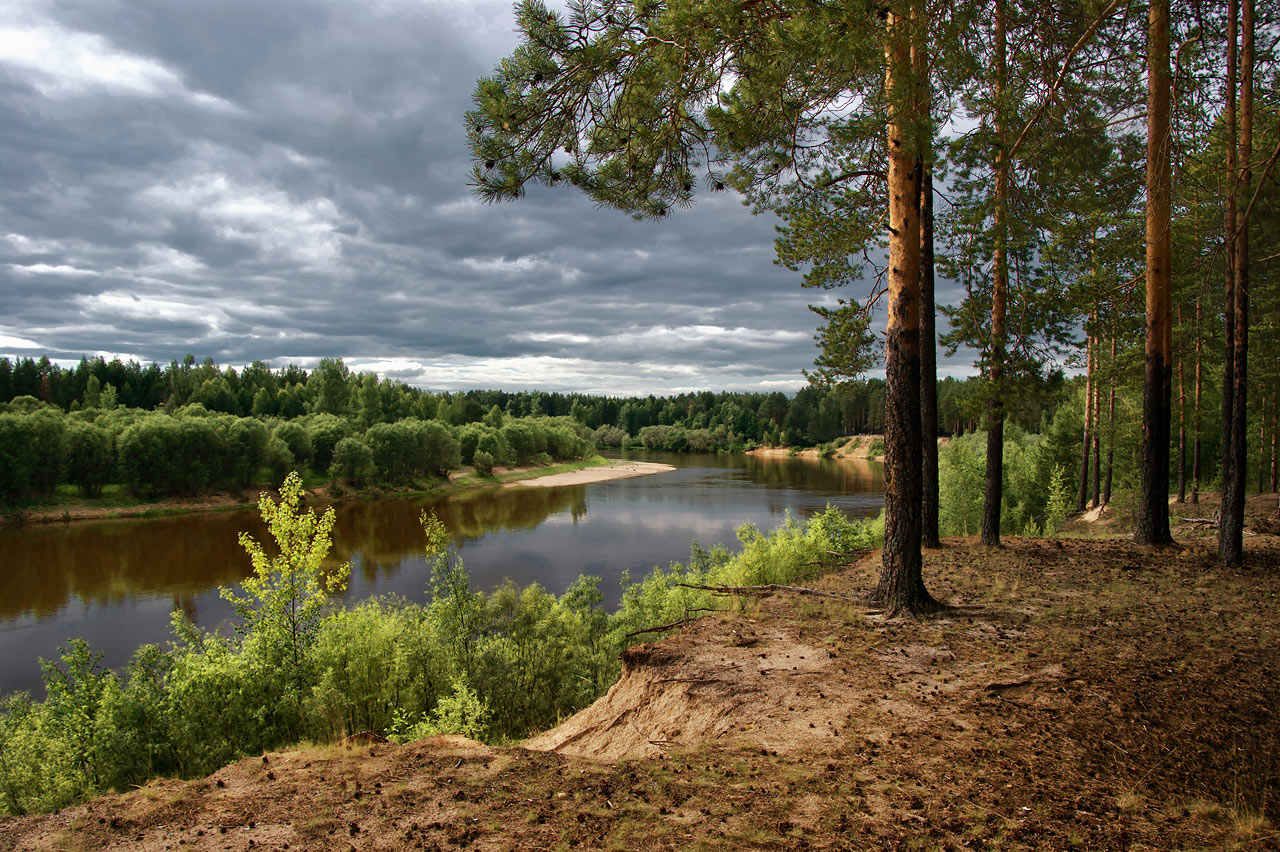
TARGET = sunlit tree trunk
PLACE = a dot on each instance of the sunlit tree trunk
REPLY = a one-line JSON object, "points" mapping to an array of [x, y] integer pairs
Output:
{"points": [[1153, 503], [901, 585], [1111, 423], [1097, 434], [1086, 442], [999, 297]]}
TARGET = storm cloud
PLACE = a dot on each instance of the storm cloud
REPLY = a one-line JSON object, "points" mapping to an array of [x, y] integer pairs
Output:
{"points": [[287, 181]]}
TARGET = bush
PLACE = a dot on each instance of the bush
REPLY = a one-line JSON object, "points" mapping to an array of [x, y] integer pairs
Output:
{"points": [[278, 460], [89, 456], [325, 431], [16, 458], [440, 452], [298, 440], [496, 446], [352, 462], [483, 463]]}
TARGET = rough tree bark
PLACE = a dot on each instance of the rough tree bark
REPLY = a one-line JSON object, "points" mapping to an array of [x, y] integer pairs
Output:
{"points": [[1231, 526], [1082, 495], [1097, 435], [1086, 442], [901, 587], [1182, 422], [1195, 420], [999, 297], [1153, 502], [928, 360], [1111, 422]]}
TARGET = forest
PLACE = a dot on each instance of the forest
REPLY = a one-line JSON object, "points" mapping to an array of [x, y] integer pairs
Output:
{"points": [[179, 429], [1098, 170]]}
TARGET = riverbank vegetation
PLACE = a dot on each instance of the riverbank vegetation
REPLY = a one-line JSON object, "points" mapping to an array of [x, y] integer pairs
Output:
{"points": [[192, 450], [185, 429], [496, 666]]}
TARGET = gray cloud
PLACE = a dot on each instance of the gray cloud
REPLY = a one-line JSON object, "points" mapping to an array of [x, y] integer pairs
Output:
{"points": [[287, 181]]}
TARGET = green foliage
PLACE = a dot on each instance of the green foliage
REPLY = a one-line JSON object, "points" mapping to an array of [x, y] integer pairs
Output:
{"points": [[483, 462], [961, 478], [460, 712], [325, 431], [499, 665], [283, 601], [1059, 504], [90, 457], [16, 457], [1035, 482], [353, 462], [277, 459], [297, 439]]}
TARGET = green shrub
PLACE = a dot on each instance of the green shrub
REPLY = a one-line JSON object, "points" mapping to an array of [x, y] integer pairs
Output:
{"points": [[483, 463], [352, 462], [90, 458], [277, 459], [297, 439]]}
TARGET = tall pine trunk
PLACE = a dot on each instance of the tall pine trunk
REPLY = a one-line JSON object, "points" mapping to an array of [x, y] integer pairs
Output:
{"points": [[993, 492], [1262, 443], [1097, 437], [1111, 421], [1182, 421], [1083, 495], [901, 586], [1275, 444], [928, 359], [1195, 420], [928, 330], [1231, 526], [1153, 502]]}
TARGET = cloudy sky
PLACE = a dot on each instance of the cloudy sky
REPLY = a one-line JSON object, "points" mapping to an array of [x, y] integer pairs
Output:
{"points": [[287, 180]]}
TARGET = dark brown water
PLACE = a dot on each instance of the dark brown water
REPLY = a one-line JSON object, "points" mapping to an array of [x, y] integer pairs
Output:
{"points": [[115, 583]]}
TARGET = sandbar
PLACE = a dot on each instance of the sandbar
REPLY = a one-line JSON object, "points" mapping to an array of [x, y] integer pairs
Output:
{"points": [[614, 470]]}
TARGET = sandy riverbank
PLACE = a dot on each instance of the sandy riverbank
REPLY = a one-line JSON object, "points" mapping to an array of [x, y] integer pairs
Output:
{"points": [[856, 447], [615, 470]]}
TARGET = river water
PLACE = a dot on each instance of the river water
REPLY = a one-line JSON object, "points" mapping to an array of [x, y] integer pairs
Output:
{"points": [[115, 583]]}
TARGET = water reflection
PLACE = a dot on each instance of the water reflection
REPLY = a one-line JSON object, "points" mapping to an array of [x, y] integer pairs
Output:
{"points": [[115, 583]]}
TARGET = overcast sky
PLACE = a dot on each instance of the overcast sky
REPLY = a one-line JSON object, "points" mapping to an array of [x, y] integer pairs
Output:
{"points": [[286, 180]]}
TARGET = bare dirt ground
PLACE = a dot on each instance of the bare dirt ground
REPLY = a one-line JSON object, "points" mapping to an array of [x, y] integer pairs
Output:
{"points": [[1083, 694]]}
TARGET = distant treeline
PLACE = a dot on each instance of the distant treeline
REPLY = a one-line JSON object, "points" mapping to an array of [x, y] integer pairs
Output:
{"points": [[814, 415], [184, 428]]}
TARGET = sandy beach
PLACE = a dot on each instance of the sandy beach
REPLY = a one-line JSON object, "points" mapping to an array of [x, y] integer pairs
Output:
{"points": [[615, 470]]}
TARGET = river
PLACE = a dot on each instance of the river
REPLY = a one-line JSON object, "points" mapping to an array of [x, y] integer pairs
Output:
{"points": [[115, 583]]}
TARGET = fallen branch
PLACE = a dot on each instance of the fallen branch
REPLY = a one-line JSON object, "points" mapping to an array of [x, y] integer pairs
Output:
{"points": [[761, 591], [680, 623]]}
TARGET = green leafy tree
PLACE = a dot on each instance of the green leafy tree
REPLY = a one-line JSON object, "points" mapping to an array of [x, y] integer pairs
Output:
{"points": [[282, 602], [353, 462], [90, 458]]}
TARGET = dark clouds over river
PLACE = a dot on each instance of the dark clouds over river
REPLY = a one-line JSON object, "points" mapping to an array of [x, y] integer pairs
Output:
{"points": [[286, 180]]}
